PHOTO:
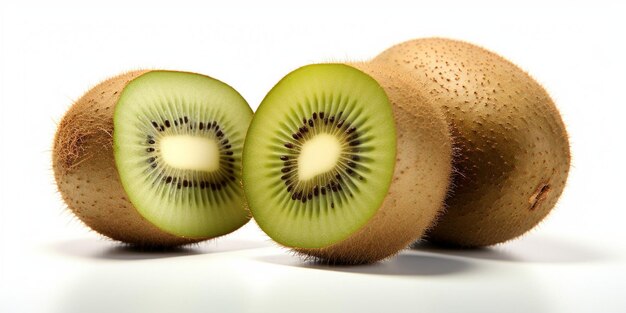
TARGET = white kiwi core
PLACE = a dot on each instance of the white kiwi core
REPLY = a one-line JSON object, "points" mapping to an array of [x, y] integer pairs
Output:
{"points": [[319, 155], [187, 152]]}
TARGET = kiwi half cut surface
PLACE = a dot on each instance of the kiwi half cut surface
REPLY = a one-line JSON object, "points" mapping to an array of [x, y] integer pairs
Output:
{"points": [[346, 163], [512, 151], [154, 158]]}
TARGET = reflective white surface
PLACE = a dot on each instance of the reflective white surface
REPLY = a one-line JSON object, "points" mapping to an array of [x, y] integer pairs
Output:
{"points": [[51, 52], [540, 273]]}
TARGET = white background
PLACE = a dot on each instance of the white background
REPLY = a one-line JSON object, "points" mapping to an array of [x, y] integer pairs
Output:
{"points": [[53, 51]]}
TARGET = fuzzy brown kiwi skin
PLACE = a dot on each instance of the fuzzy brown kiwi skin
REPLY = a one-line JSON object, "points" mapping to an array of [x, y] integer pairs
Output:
{"points": [[512, 151], [420, 179], [86, 174]]}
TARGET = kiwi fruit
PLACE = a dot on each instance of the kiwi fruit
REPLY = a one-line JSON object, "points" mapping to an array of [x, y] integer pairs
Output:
{"points": [[512, 153], [153, 158], [346, 163]]}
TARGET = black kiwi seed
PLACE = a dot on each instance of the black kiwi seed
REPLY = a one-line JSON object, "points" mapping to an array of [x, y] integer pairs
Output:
{"points": [[167, 123], [284, 157], [200, 125], [186, 119], [155, 124]]}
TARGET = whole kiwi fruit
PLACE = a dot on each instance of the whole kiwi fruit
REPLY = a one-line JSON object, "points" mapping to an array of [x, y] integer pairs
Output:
{"points": [[153, 158], [512, 153]]}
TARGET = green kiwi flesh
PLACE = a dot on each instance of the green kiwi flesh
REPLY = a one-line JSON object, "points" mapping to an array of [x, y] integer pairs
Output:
{"points": [[512, 152], [338, 164], [153, 158]]}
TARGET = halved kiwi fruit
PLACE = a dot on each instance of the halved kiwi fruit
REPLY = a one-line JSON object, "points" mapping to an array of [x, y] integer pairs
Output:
{"points": [[346, 163], [513, 155], [154, 158]]}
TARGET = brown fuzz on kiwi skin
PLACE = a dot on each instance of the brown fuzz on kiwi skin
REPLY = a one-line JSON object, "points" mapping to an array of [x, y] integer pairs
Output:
{"points": [[86, 175], [420, 180], [513, 153]]}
